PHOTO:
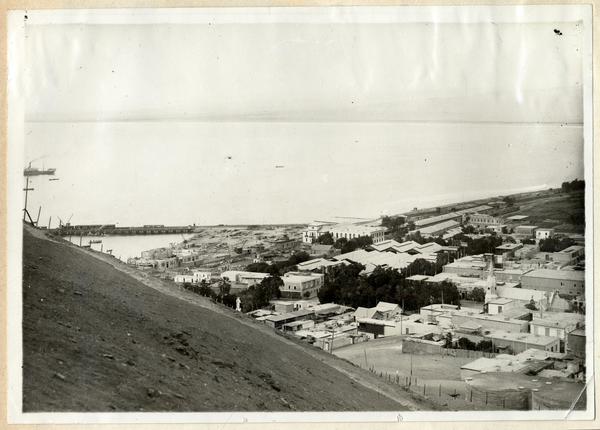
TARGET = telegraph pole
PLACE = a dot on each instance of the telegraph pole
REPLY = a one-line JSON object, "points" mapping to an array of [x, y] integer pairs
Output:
{"points": [[25, 212]]}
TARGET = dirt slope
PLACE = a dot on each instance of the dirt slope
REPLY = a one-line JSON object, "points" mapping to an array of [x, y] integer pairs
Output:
{"points": [[96, 339]]}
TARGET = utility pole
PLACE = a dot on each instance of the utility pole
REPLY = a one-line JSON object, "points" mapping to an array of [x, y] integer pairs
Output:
{"points": [[401, 312], [37, 220], [331, 347], [25, 212]]}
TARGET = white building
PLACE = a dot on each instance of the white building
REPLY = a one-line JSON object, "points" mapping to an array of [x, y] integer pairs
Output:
{"points": [[298, 285], [556, 324], [244, 278], [544, 233], [353, 231], [194, 278], [184, 279], [315, 229], [200, 276], [484, 220]]}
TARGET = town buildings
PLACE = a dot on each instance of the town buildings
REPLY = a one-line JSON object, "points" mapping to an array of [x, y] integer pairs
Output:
{"points": [[298, 285], [242, 279], [480, 220], [353, 231], [571, 282], [193, 278], [315, 229]]}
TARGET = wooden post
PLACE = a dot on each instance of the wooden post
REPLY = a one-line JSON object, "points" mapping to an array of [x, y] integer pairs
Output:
{"points": [[440, 391], [424, 388], [486, 397]]}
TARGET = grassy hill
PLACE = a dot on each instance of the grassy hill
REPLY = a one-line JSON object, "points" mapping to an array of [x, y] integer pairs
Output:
{"points": [[96, 339]]}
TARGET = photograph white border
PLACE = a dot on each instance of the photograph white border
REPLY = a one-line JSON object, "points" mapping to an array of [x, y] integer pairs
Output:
{"points": [[336, 14]]}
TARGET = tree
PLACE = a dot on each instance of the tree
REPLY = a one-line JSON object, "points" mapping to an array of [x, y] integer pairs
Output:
{"points": [[355, 243], [477, 295], [395, 225], [224, 288], [339, 244], [468, 229], [325, 239], [448, 339], [531, 305], [297, 258], [258, 267], [416, 237], [575, 185], [553, 244], [259, 295], [509, 200], [338, 279], [485, 346], [464, 343]]}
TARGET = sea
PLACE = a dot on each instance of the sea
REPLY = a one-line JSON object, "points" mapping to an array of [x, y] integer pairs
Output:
{"points": [[125, 247]]}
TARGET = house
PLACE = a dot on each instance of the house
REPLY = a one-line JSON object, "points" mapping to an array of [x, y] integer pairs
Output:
{"points": [[471, 265], [568, 282], [383, 311], [499, 305], [373, 326], [243, 279], [438, 229], [194, 278], [544, 233], [507, 250], [353, 231], [166, 263], [157, 253], [530, 361], [298, 325], [277, 321], [498, 229], [525, 230], [187, 257], [514, 342], [318, 264], [569, 256], [576, 343], [283, 244], [484, 220], [557, 324], [315, 229], [200, 276], [184, 279], [298, 285]]}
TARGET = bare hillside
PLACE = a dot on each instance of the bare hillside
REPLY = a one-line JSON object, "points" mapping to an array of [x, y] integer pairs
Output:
{"points": [[96, 339]]}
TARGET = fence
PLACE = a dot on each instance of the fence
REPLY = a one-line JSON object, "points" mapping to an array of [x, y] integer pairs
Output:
{"points": [[466, 353], [414, 347], [459, 395]]}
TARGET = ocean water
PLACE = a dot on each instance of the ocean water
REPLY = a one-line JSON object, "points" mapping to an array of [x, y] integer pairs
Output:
{"points": [[124, 247]]}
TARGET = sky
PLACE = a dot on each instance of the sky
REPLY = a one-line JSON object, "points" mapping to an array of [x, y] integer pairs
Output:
{"points": [[278, 123]]}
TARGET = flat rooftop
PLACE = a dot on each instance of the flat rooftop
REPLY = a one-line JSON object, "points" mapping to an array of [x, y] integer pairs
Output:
{"points": [[417, 277], [527, 338], [289, 315], [571, 275], [517, 217], [510, 246]]}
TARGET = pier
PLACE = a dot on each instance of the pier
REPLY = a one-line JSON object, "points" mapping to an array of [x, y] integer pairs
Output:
{"points": [[112, 229]]}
